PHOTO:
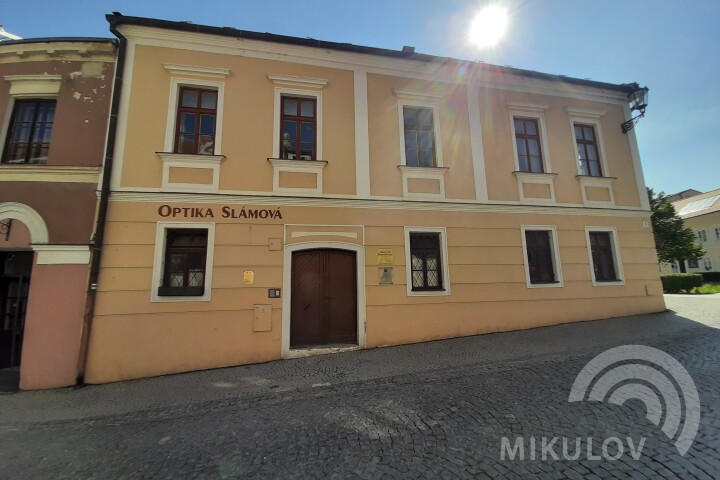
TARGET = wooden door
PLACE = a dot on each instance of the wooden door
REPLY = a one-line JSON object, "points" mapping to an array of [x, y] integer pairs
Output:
{"points": [[323, 306]]}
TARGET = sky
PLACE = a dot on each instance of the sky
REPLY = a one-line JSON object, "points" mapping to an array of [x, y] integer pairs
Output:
{"points": [[673, 47]]}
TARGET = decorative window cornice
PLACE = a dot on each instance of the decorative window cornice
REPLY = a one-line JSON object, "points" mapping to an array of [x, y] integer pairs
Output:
{"points": [[584, 112], [34, 86], [527, 107], [212, 72], [295, 81], [416, 95]]}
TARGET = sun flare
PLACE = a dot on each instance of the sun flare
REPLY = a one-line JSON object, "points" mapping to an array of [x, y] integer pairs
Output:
{"points": [[488, 27]]}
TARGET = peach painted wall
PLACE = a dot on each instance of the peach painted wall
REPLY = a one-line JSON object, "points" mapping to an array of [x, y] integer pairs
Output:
{"points": [[53, 322]]}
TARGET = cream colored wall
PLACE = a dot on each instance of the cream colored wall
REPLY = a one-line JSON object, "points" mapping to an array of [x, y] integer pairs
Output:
{"points": [[133, 337], [500, 157], [712, 247], [247, 139]]}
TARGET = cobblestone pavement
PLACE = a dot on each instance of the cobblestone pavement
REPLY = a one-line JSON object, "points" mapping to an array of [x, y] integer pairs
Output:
{"points": [[434, 410]]}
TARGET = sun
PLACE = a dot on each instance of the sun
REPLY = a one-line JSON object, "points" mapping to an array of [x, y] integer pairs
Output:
{"points": [[488, 27]]}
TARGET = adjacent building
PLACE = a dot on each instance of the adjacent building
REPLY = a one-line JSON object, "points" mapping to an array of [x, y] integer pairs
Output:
{"points": [[54, 105], [274, 197], [701, 213]]}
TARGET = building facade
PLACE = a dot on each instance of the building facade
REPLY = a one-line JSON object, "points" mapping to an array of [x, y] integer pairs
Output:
{"points": [[55, 101], [701, 213], [275, 197]]}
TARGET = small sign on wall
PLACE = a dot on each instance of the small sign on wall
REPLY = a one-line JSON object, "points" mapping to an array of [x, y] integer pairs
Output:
{"points": [[385, 256], [385, 275], [248, 277]]}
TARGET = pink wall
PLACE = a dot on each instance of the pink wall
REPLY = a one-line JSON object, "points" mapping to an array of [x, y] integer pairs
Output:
{"points": [[52, 327]]}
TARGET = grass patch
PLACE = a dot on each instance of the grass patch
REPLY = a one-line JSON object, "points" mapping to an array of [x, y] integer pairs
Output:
{"points": [[708, 288]]}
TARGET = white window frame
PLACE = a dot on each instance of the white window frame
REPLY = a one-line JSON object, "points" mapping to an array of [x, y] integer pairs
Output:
{"points": [[435, 107], [617, 258], [554, 249], [535, 114], [175, 84], [159, 261], [296, 92], [445, 265], [595, 122]]}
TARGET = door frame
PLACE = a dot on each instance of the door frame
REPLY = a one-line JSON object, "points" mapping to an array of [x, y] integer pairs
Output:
{"points": [[286, 304]]}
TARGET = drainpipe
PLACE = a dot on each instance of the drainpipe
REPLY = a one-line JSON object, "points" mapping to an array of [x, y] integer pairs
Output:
{"points": [[102, 209]]}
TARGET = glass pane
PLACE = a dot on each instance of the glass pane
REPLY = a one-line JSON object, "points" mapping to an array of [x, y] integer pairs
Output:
{"points": [[195, 278], [307, 108], [536, 164], [306, 151], [290, 130], [410, 117], [432, 263], [411, 157], [417, 279], [207, 124], [307, 132], [594, 169], [187, 122], [530, 127], [290, 107], [206, 145], [521, 147], [519, 127], [46, 112], [523, 164], [186, 142], [534, 147], [578, 133], [209, 100], [426, 140], [176, 279], [433, 279], [583, 167], [190, 98], [589, 133], [591, 152], [25, 112], [410, 138], [425, 117], [417, 263], [426, 158]]}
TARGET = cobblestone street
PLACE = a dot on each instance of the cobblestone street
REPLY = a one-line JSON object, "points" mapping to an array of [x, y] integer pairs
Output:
{"points": [[435, 410]]}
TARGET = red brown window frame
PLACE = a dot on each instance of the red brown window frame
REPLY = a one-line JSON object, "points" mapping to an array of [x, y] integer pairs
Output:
{"points": [[185, 291], [299, 120], [417, 128], [9, 144], [582, 142], [424, 253], [525, 137], [197, 111]]}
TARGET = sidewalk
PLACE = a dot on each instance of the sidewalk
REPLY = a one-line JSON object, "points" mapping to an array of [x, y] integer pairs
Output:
{"points": [[687, 316]]}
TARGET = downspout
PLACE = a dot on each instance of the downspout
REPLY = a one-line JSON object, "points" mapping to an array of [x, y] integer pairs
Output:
{"points": [[102, 209]]}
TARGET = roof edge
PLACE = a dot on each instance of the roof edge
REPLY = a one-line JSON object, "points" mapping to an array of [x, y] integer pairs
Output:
{"points": [[60, 40]]}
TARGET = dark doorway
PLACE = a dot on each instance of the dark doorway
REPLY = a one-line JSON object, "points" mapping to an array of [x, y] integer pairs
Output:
{"points": [[323, 307], [15, 268]]}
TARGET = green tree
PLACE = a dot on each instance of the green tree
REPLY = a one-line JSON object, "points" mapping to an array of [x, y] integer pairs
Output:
{"points": [[674, 241]]}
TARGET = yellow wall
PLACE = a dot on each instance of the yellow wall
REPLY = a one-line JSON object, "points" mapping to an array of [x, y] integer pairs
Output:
{"points": [[134, 337]]}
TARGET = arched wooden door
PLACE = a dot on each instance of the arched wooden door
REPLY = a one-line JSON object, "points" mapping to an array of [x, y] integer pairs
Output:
{"points": [[323, 306]]}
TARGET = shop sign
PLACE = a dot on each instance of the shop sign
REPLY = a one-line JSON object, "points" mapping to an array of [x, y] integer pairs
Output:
{"points": [[385, 256], [224, 212]]}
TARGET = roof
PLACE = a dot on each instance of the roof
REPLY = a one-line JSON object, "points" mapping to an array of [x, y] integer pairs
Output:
{"points": [[408, 53], [690, 192], [59, 40], [697, 205]]}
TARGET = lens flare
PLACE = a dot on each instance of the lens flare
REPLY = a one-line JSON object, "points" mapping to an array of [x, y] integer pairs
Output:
{"points": [[488, 27]]}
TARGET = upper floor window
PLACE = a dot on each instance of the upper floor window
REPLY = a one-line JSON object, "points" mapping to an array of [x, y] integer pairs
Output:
{"points": [[587, 148], [419, 130], [527, 140], [298, 117], [196, 121], [702, 236], [31, 125]]}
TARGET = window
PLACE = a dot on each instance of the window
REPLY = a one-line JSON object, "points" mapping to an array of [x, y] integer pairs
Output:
{"points": [[587, 148], [542, 266], [184, 262], [605, 256], [196, 121], [527, 141], [31, 125], [717, 233], [426, 261], [298, 116], [693, 263], [707, 264], [702, 236], [419, 134]]}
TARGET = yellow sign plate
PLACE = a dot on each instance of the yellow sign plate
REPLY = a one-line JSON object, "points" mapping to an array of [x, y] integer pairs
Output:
{"points": [[248, 277], [385, 256]]}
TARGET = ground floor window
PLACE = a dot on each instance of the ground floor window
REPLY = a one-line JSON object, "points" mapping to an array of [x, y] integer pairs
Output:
{"points": [[542, 263], [427, 261], [604, 255]]}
